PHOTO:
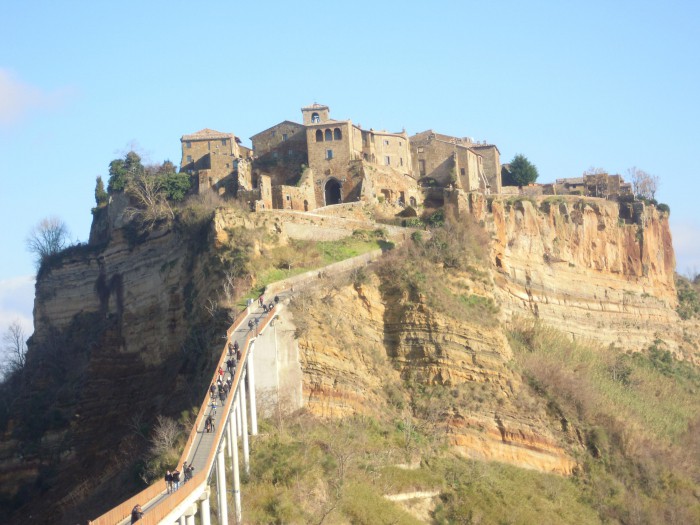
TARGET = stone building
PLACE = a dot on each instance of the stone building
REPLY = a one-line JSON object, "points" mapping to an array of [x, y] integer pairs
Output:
{"points": [[324, 161], [601, 185], [210, 156], [444, 161]]}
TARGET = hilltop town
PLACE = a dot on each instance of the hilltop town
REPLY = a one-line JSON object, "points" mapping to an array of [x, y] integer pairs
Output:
{"points": [[323, 162]]}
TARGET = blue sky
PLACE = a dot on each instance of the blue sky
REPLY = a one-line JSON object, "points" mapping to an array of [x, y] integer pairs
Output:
{"points": [[569, 84]]}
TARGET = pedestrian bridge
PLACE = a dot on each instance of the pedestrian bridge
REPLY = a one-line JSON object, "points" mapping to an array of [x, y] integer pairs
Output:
{"points": [[207, 451], [234, 420]]}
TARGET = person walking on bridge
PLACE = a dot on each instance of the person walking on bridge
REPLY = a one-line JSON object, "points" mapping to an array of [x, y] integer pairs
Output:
{"points": [[136, 513], [169, 481]]}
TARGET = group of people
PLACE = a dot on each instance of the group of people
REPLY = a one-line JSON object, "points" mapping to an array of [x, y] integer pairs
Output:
{"points": [[172, 479], [219, 389]]}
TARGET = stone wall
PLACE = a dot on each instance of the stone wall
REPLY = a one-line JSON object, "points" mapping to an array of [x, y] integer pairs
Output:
{"points": [[491, 164], [276, 136]]}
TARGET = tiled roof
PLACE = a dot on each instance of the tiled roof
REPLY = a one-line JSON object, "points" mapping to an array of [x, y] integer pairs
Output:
{"points": [[207, 133]]}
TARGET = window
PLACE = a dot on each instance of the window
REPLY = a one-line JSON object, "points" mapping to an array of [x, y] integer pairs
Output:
{"points": [[386, 142], [188, 144], [337, 135], [401, 161], [328, 135], [329, 154], [289, 198], [223, 142], [387, 161], [400, 144], [273, 133], [421, 167], [189, 158], [284, 136], [274, 155], [319, 135], [290, 152], [315, 118], [208, 146], [461, 171]]}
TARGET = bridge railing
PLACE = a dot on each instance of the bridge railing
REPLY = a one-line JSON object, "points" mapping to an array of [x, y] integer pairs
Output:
{"points": [[160, 511]]}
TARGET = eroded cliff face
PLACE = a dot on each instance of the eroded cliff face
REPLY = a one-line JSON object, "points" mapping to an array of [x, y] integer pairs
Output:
{"points": [[358, 345], [578, 266], [120, 338]]}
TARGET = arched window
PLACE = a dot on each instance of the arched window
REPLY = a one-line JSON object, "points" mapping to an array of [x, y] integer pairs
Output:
{"points": [[329, 134], [337, 135], [319, 135], [315, 118]]}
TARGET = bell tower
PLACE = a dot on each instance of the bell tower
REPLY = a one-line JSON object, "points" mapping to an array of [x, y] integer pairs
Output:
{"points": [[315, 114]]}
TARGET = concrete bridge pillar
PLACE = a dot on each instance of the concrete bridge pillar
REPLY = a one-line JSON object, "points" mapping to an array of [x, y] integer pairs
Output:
{"points": [[189, 515], [234, 467], [244, 421], [251, 392], [221, 483], [205, 513]]}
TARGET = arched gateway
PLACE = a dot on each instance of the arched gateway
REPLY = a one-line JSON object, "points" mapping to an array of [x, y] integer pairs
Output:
{"points": [[332, 192]]}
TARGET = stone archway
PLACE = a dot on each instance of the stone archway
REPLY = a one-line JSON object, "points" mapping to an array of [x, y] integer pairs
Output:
{"points": [[331, 192]]}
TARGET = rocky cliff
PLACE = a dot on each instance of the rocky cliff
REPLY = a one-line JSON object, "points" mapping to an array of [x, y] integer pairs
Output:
{"points": [[592, 268], [360, 346], [123, 334]]}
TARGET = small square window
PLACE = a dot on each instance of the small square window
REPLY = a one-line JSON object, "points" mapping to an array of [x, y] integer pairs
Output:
{"points": [[329, 154], [188, 144], [223, 142], [461, 171], [274, 155], [189, 158], [289, 198], [273, 133], [386, 142], [290, 152], [284, 136]]}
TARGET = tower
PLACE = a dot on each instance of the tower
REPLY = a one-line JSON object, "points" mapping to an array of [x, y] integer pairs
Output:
{"points": [[314, 114]]}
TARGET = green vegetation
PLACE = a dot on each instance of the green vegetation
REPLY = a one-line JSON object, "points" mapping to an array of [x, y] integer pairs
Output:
{"points": [[521, 172], [282, 262], [688, 296], [101, 196], [638, 415], [421, 270]]}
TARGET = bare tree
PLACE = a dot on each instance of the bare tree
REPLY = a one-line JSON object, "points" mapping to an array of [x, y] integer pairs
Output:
{"points": [[47, 238], [151, 204], [165, 434], [15, 347], [643, 184]]}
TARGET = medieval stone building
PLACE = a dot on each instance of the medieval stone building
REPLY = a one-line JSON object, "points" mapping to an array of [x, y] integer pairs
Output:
{"points": [[323, 161]]}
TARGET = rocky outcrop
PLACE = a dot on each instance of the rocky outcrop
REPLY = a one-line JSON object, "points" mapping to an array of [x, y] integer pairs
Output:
{"points": [[583, 269], [357, 345]]}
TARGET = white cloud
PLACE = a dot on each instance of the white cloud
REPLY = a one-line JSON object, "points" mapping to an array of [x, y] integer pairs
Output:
{"points": [[18, 98], [17, 303], [686, 242]]}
